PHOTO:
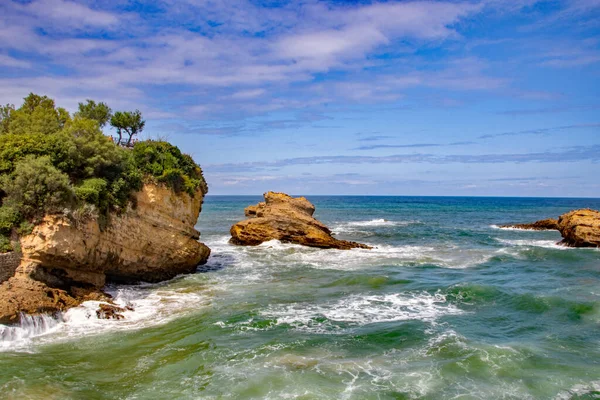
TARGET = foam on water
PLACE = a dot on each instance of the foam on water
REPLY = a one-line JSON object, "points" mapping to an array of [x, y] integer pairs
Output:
{"points": [[351, 227], [30, 326], [583, 390], [291, 256], [152, 305], [548, 244], [510, 228], [359, 310]]}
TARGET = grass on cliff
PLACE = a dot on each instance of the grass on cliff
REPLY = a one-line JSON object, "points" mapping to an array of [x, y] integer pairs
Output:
{"points": [[54, 162]]}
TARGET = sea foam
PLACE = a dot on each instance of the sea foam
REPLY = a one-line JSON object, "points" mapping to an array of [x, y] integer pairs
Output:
{"points": [[359, 310], [548, 244]]}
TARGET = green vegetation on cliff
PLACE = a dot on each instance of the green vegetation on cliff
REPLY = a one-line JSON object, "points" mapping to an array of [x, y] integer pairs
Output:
{"points": [[53, 162]]}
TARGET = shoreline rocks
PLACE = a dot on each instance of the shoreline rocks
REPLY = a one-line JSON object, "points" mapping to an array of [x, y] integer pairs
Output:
{"points": [[65, 262], [289, 220]]}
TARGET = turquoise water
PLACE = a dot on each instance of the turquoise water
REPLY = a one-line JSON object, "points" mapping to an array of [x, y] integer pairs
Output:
{"points": [[446, 307]]}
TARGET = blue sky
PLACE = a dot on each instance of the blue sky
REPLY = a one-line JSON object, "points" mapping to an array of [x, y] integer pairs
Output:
{"points": [[488, 97]]}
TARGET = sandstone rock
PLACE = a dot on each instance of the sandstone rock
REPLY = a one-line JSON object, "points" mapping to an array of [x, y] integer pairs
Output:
{"points": [[580, 228], [154, 241], [287, 219], [542, 225]]}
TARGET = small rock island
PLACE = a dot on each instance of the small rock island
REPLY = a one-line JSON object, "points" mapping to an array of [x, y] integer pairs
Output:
{"points": [[579, 228], [289, 220]]}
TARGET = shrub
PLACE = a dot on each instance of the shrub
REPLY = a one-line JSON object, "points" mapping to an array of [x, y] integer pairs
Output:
{"points": [[93, 191], [165, 162], [9, 216], [37, 187], [25, 228], [5, 245], [174, 178]]}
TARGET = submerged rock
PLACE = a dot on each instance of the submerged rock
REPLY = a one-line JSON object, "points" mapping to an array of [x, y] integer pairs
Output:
{"points": [[287, 219], [542, 225], [64, 260], [111, 311], [580, 228]]}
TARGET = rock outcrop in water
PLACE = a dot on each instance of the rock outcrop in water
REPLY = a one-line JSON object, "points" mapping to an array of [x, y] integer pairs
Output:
{"points": [[542, 225], [65, 262], [288, 219], [580, 228]]}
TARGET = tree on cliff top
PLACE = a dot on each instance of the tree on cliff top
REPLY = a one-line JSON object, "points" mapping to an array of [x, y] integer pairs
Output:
{"points": [[98, 112], [127, 122], [38, 114]]}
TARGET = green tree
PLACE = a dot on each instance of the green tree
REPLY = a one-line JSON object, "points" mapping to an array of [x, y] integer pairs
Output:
{"points": [[127, 122], [38, 114], [5, 113], [98, 112], [92, 154]]}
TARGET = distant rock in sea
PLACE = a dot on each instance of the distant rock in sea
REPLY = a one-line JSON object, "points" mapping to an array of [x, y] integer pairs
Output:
{"points": [[287, 219], [580, 228], [542, 225]]}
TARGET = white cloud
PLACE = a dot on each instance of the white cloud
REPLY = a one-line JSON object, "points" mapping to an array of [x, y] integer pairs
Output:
{"points": [[11, 62], [263, 59]]}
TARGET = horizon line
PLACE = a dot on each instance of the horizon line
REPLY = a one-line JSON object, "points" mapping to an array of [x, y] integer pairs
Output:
{"points": [[405, 195]]}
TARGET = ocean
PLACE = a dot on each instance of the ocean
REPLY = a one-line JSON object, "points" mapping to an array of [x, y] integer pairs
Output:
{"points": [[447, 306]]}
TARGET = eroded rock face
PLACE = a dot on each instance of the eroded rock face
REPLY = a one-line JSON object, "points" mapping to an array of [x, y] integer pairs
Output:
{"points": [[282, 217], [580, 228], [154, 241], [542, 225]]}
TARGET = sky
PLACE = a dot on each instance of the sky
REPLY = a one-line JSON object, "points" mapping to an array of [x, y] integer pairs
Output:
{"points": [[461, 98]]}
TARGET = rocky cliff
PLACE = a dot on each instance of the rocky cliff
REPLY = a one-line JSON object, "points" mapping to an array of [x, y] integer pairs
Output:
{"points": [[288, 219], [65, 262]]}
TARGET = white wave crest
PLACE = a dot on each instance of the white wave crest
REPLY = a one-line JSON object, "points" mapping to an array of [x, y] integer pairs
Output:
{"points": [[352, 227], [548, 244], [381, 222], [258, 259], [359, 310]]}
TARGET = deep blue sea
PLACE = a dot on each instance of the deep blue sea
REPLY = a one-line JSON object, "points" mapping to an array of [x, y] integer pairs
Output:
{"points": [[447, 306]]}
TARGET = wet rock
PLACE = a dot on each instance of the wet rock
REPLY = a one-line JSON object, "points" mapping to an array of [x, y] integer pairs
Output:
{"points": [[21, 294], [288, 219], [111, 311]]}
